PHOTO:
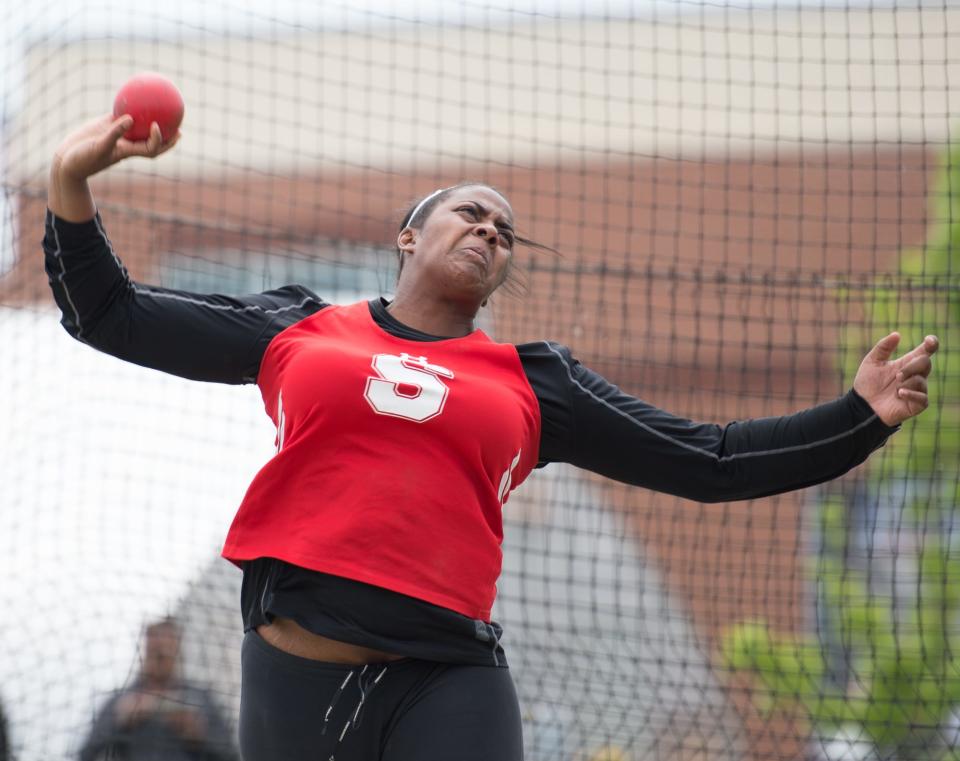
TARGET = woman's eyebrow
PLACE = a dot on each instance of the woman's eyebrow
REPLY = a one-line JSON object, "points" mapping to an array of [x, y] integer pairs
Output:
{"points": [[500, 222]]}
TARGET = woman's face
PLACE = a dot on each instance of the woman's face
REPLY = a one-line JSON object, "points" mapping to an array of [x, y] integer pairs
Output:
{"points": [[464, 247]]}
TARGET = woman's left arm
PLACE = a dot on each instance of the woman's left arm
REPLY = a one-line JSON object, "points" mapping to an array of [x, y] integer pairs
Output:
{"points": [[590, 423]]}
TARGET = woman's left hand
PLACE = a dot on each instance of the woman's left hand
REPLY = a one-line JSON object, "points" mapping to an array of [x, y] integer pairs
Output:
{"points": [[896, 389]]}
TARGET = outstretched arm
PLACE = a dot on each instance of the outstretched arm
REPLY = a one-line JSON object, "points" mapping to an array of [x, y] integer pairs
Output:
{"points": [[589, 422]]}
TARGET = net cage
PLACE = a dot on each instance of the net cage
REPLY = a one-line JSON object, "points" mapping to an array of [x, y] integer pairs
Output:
{"points": [[742, 198]]}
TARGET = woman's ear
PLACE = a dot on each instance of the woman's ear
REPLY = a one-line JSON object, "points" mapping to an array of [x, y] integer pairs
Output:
{"points": [[406, 240]]}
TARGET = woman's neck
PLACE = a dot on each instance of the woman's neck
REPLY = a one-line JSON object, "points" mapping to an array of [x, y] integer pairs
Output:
{"points": [[436, 318]]}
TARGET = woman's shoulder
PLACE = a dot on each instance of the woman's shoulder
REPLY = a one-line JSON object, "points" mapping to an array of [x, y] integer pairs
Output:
{"points": [[548, 365], [546, 355], [291, 297]]}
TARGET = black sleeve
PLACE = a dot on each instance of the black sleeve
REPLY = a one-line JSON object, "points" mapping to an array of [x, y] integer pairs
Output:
{"points": [[588, 422], [217, 743], [104, 733], [200, 337], [6, 754]]}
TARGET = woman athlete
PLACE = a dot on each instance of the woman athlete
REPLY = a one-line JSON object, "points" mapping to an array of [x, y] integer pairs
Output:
{"points": [[370, 543]]}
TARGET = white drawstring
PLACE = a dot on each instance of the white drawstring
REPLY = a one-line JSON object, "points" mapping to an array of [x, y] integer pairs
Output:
{"points": [[365, 689]]}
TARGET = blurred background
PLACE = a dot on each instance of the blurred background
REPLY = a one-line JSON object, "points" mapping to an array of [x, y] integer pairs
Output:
{"points": [[744, 197]]}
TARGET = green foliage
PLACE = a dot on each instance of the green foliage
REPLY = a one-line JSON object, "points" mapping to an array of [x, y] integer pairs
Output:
{"points": [[905, 669], [922, 297], [904, 665]]}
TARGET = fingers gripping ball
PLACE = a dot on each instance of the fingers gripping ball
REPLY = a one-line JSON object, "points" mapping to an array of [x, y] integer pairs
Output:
{"points": [[149, 98]]}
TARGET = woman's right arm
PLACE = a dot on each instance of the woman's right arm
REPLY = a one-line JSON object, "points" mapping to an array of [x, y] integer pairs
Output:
{"points": [[200, 337]]}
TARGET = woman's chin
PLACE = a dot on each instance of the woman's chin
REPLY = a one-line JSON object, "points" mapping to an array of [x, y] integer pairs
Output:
{"points": [[468, 284]]}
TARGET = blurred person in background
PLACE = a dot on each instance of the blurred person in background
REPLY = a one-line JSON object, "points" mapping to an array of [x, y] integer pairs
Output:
{"points": [[5, 753], [160, 717]]}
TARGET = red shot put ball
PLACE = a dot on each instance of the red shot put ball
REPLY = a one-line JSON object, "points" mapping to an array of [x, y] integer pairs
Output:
{"points": [[149, 98]]}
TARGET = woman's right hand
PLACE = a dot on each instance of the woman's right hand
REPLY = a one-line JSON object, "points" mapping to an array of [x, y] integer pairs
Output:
{"points": [[90, 149], [100, 143]]}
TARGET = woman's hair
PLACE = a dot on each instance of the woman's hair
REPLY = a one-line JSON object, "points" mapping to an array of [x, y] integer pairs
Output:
{"points": [[421, 209]]}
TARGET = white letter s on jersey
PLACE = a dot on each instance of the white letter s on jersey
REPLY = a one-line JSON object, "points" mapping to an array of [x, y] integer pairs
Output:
{"points": [[407, 387]]}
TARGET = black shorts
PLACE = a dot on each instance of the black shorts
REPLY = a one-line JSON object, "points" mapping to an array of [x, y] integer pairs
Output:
{"points": [[296, 709]]}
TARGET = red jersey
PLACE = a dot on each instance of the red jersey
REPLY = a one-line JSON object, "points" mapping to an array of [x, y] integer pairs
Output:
{"points": [[394, 457]]}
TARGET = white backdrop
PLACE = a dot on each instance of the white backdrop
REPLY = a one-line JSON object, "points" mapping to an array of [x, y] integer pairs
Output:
{"points": [[118, 486]]}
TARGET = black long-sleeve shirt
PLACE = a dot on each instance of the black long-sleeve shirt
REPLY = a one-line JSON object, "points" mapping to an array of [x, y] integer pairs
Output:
{"points": [[585, 421]]}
